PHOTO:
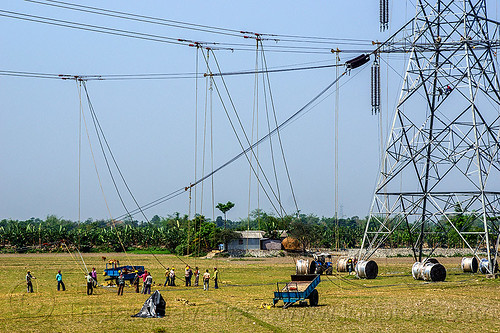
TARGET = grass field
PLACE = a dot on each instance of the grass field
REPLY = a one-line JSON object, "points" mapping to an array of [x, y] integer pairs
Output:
{"points": [[393, 302]]}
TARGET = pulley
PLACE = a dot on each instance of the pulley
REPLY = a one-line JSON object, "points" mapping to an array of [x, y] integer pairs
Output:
{"points": [[357, 62]]}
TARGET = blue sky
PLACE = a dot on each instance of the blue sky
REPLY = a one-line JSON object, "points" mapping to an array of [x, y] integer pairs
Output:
{"points": [[150, 124]]}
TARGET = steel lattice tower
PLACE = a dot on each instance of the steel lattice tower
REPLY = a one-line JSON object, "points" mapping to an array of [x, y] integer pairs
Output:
{"points": [[442, 158]]}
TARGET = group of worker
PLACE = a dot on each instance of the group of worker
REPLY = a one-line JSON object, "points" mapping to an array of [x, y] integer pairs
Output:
{"points": [[351, 263], [147, 280], [188, 275], [91, 278], [206, 279], [446, 90]]}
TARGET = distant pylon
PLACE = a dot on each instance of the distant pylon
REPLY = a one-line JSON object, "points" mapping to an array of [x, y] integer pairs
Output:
{"points": [[440, 175]]}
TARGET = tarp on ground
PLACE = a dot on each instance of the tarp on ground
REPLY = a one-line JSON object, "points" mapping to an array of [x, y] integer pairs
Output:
{"points": [[154, 307]]}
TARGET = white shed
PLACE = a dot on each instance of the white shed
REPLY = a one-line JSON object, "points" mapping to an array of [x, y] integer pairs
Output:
{"points": [[247, 240]]}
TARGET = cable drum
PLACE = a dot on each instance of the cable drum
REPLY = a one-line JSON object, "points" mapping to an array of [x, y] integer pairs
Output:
{"points": [[416, 271], [469, 265], [431, 260], [343, 265], [366, 269], [303, 267], [429, 270], [417, 268], [434, 272]]}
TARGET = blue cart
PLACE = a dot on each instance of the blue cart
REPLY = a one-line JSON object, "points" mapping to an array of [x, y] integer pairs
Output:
{"points": [[300, 288], [113, 270]]}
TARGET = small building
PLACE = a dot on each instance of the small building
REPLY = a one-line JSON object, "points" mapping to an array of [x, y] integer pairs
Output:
{"points": [[270, 244], [247, 240]]}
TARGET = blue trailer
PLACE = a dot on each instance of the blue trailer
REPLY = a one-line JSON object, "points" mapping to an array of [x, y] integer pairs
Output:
{"points": [[113, 270], [300, 288]]}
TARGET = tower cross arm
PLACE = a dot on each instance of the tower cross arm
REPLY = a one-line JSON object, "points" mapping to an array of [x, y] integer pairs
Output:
{"points": [[408, 38]]}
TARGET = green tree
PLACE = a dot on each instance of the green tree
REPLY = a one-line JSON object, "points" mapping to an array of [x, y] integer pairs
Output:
{"points": [[224, 208], [273, 226], [304, 231]]}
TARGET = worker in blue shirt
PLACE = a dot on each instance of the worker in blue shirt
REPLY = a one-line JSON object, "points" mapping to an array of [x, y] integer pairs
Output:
{"points": [[60, 282]]}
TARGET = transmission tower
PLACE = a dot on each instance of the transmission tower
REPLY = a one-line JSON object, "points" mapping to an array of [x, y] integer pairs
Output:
{"points": [[440, 174]]}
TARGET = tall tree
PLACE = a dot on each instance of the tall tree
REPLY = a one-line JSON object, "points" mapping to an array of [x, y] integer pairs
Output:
{"points": [[304, 231], [224, 208]]}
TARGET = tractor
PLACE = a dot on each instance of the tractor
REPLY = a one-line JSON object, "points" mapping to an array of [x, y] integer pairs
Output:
{"points": [[322, 265]]}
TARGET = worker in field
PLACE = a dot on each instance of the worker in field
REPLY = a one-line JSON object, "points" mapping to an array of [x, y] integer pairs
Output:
{"points": [[172, 277], [188, 273], [29, 284], [167, 277], [149, 282], [196, 276], [206, 280], [144, 276], [349, 265], [94, 276], [121, 283], [216, 278], [60, 282], [135, 282], [90, 284]]}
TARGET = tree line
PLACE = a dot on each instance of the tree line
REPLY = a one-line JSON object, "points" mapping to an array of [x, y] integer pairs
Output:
{"points": [[178, 234]]}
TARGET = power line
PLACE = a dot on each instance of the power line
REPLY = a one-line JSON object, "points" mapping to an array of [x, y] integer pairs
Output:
{"points": [[266, 78], [193, 26], [33, 75], [182, 190], [255, 171], [88, 27], [152, 76], [272, 70], [244, 152], [280, 48], [140, 18]]}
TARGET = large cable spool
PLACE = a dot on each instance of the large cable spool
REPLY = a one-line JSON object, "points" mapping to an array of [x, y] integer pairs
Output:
{"points": [[418, 267], [429, 270], [366, 269], [431, 260], [303, 267], [416, 270], [343, 264], [434, 272], [469, 265]]}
